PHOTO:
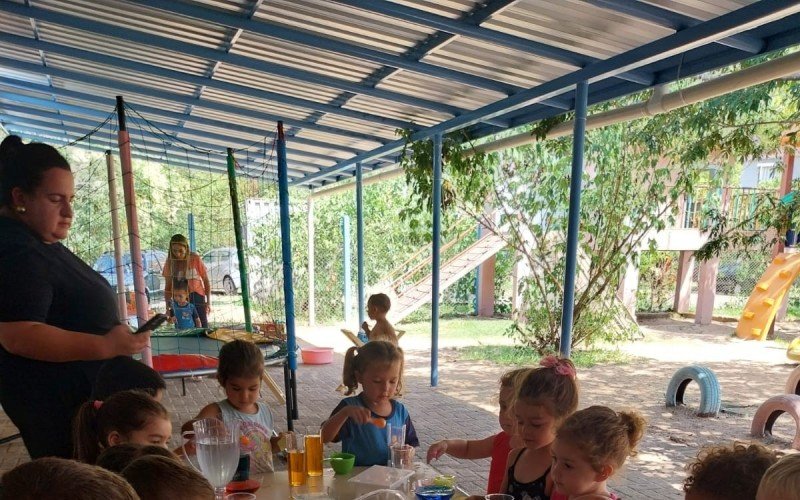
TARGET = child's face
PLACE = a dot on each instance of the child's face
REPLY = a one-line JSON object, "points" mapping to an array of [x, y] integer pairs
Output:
{"points": [[379, 381], [179, 251], [372, 310], [535, 425], [181, 297], [505, 417], [157, 432], [243, 392], [572, 474]]}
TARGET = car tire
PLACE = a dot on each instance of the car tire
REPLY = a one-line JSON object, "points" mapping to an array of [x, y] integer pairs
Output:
{"points": [[773, 408], [710, 400], [228, 285]]}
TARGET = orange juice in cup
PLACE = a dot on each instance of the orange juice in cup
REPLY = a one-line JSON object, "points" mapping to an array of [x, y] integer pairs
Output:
{"points": [[314, 453], [297, 459]]}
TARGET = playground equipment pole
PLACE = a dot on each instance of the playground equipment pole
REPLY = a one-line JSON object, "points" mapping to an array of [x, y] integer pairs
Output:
{"points": [[360, 242], [124, 142], [113, 202], [436, 244], [581, 96], [237, 232], [288, 284]]}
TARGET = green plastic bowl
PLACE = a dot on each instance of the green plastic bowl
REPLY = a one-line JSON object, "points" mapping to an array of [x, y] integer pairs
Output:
{"points": [[342, 463]]}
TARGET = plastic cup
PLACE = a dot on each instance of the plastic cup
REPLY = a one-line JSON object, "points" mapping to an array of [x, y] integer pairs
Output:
{"points": [[402, 456], [314, 452], [295, 452]]}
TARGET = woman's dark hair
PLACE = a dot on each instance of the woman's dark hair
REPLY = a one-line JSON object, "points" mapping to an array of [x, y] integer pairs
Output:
{"points": [[240, 359], [124, 373], [123, 412], [23, 165]]}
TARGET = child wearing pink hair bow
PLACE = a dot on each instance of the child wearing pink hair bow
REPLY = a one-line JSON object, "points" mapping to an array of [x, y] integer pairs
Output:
{"points": [[545, 396]]}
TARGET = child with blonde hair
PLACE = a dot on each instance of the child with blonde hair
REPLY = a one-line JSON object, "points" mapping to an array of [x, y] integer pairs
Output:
{"points": [[496, 446], [359, 422], [590, 447], [241, 364], [124, 417], [163, 478], [782, 480], [545, 396], [725, 472]]}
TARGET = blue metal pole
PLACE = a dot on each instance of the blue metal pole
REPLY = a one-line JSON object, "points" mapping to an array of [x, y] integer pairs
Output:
{"points": [[348, 302], [190, 223], [578, 136], [286, 248], [437, 230], [360, 241]]}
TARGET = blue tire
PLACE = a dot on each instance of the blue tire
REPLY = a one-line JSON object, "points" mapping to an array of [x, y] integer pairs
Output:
{"points": [[710, 394]]}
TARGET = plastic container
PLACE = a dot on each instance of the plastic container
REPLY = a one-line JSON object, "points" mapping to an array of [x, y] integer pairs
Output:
{"points": [[342, 463], [434, 492], [385, 477], [317, 355]]}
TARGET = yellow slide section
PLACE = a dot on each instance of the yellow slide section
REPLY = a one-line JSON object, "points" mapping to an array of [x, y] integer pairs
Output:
{"points": [[763, 304]]}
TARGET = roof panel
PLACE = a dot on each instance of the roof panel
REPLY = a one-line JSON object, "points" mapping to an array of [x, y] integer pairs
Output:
{"points": [[272, 83], [16, 25], [255, 104], [133, 98], [437, 89]]}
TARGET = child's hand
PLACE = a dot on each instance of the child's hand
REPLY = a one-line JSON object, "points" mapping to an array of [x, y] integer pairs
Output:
{"points": [[171, 319], [365, 327], [358, 414], [436, 450]]}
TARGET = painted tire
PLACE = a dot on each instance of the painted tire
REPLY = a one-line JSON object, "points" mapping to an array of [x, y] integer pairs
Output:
{"points": [[793, 382], [709, 389], [770, 410]]}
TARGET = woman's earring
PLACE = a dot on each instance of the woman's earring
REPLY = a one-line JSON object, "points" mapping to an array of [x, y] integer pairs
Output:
{"points": [[20, 209]]}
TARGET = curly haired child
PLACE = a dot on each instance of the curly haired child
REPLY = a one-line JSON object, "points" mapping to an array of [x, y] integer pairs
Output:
{"points": [[591, 445], [545, 396], [782, 480], [725, 472], [496, 446]]}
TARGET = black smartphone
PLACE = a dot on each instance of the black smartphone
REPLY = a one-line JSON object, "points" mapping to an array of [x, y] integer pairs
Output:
{"points": [[152, 323]]}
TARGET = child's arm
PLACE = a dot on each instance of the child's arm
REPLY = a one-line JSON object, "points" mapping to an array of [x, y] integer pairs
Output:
{"points": [[210, 411], [332, 426], [197, 323], [365, 327], [461, 448]]}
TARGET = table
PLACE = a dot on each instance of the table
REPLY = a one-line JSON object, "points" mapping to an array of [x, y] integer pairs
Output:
{"points": [[275, 485]]}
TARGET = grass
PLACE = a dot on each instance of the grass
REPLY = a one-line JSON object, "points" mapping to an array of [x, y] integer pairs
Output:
{"points": [[484, 331], [513, 355]]}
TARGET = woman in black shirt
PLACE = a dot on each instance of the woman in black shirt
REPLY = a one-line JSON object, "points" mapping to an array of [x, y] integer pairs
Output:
{"points": [[58, 318]]}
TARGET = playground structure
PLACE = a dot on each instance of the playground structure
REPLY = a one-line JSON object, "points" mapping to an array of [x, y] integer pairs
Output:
{"points": [[768, 296]]}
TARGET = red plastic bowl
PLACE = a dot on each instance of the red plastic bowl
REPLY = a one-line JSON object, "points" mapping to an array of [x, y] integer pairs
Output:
{"points": [[317, 355]]}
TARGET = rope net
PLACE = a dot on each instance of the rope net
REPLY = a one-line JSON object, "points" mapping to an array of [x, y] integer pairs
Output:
{"points": [[183, 188]]}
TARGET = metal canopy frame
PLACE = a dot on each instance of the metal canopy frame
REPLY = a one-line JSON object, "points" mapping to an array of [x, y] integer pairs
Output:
{"points": [[344, 74]]}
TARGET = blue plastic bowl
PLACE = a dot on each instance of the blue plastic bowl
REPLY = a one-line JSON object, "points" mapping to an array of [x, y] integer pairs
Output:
{"points": [[433, 492]]}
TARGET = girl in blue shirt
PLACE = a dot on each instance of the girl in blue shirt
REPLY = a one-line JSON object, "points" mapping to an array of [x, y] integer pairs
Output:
{"points": [[360, 422]]}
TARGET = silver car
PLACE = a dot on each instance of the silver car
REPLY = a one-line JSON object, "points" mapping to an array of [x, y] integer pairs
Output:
{"points": [[222, 266]]}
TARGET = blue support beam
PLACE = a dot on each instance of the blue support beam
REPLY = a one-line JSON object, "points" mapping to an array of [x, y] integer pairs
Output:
{"points": [[129, 88], [315, 41], [663, 48], [235, 88], [499, 38], [217, 56], [360, 242], [675, 21], [435, 257], [573, 227], [150, 110]]}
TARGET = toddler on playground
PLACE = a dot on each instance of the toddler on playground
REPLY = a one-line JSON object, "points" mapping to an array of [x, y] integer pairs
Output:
{"points": [[497, 446], [545, 396], [183, 313], [125, 417], [726, 472], [359, 422], [590, 447], [378, 306], [241, 365]]}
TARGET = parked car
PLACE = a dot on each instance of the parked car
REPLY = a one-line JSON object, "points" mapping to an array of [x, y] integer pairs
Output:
{"points": [[153, 262], [222, 265]]}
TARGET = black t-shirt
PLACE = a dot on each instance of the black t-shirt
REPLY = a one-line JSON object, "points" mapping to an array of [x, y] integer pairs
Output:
{"points": [[47, 283]]}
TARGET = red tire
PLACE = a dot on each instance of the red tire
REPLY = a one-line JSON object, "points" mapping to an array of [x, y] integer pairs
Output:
{"points": [[770, 410], [793, 382]]}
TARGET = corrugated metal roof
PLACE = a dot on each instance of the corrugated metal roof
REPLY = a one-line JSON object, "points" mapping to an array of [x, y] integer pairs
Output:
{"points": [[344, 74]]}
